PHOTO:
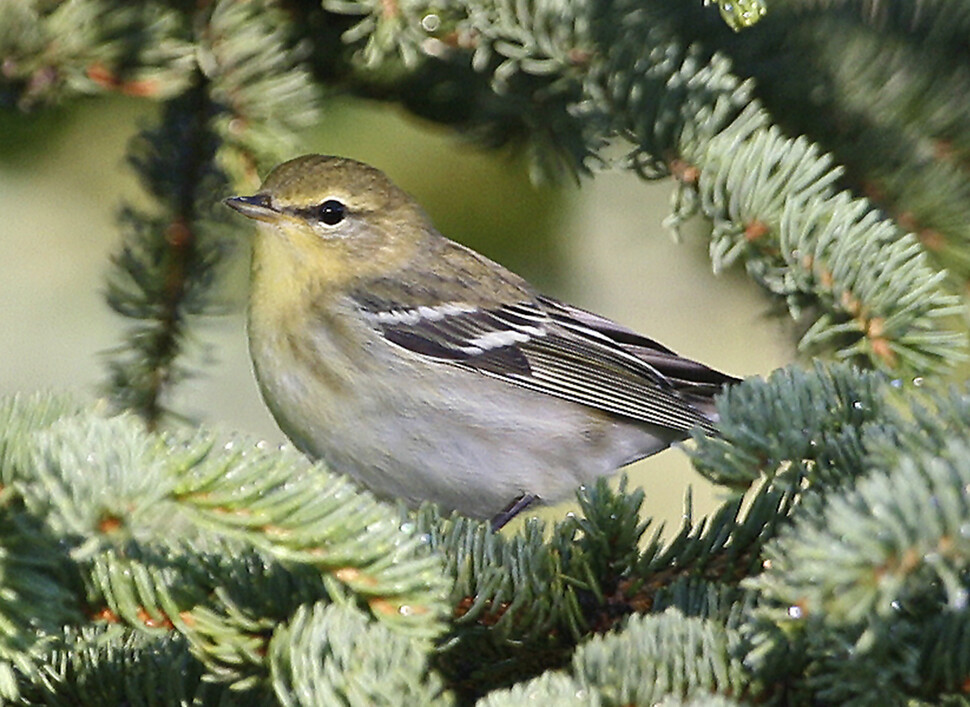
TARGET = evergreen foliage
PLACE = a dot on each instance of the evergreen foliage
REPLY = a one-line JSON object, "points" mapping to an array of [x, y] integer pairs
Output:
{"points": [[827, 144], [169, 568]]}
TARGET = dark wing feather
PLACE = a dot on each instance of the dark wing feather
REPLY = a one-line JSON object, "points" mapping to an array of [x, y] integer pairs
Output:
{"points": [[695, 381], [551, 348]]}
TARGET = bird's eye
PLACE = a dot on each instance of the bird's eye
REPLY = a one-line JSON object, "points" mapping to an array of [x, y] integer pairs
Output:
{"points": [[331, 212]]}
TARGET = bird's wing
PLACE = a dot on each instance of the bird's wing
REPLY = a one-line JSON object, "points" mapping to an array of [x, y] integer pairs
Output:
{"points": [[697, 382], [539, 344]]}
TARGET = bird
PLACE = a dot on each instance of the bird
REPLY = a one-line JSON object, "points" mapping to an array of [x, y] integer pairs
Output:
{"points": [[428, 372]]}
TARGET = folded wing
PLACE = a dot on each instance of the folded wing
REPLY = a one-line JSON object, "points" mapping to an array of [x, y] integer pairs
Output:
{"points": [[559, 350]]}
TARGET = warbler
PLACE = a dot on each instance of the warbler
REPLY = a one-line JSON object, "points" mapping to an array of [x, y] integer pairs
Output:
{"points": [[429, 372]]}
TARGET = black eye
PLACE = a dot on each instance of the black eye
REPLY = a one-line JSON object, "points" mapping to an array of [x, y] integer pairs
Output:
{"points": [[331, 212]]}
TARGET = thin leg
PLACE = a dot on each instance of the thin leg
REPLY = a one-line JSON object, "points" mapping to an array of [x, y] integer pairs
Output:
{"points": [[512, 510]]}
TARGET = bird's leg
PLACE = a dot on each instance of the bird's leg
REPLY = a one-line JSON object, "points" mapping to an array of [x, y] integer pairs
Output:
{"points": [[519, 504]]}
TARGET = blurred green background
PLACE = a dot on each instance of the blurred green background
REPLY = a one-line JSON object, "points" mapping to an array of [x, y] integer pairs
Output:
{"points": [[599, 245]]}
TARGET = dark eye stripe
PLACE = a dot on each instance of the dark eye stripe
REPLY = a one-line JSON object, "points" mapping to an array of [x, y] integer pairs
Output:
{"points": [[330, 212]]}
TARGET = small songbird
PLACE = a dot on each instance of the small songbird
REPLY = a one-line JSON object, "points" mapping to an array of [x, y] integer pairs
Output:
{"points": [[428, 372]]}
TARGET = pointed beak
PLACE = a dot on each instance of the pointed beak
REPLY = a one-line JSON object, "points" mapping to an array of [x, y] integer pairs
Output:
{"points": [[257, 206]]}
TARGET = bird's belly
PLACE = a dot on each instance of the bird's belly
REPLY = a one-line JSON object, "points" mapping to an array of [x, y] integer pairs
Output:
{"points": [[416, 430]]}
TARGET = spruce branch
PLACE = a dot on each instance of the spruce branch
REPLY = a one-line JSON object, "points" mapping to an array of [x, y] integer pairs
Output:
{"points": [[33, 571], [897, 531], [699, 571], [829, 413], [553, 687], [175, 534], [836, 585], [874, 294], [255, 64], [857, 588], [944, 656], [515, 613], [34, 568], [54, 51], [224, 598], [663, 655], [21, 416], [109, 665], [883, 86], [508, 71], [523, 604], [610, 530], [247, 98], [313, 664], [299, 513], [163, 273], [888, 665], [653, 658]]}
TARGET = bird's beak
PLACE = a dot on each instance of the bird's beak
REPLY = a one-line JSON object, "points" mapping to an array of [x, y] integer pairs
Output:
{"points": [[257, 206]]}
